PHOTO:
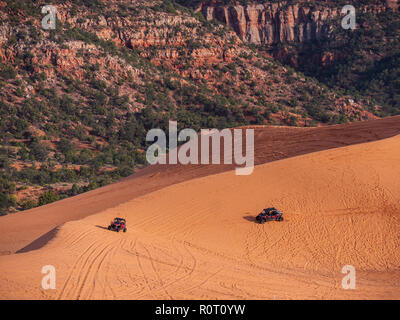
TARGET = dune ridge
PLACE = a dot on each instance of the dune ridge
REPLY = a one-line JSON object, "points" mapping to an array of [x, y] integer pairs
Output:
{"points": [[19, 231]]}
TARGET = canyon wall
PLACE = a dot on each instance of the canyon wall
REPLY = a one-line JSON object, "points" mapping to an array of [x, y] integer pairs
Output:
{"points": [[280, 22]]}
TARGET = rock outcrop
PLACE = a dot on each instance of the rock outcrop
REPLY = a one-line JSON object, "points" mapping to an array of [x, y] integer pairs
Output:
{"points": [[280, 22]]}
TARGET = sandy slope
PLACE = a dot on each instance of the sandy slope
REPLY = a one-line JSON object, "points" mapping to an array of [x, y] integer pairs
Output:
{"points": [[198, 239], [271, 143]]}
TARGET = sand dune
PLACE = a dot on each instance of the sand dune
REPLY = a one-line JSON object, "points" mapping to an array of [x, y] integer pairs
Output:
{"points": [[198, 240], [19, 231]]}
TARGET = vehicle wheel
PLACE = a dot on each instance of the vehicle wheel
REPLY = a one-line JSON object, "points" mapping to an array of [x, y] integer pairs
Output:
{"points": [[125, 230], [109, 228], [117, 230], [281, 219]]}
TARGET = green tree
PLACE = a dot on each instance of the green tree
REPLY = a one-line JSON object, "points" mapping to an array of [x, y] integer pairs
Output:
{"points": [[38, 152]]}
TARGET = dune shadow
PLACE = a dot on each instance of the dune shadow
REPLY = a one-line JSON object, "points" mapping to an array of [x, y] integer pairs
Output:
{"points": [[250, 218], [101, 227], [39, 242]]}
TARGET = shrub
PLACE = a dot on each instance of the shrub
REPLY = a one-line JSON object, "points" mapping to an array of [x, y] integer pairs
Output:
{"points": [[28, 204], [7, 72], [48, 197]]}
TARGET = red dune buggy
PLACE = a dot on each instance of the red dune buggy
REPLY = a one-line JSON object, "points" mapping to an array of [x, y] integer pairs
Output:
{"points": [[117, 225]]}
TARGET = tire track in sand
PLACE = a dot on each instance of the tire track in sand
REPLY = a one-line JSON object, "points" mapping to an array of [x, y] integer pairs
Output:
{"points": [[84, 272]]}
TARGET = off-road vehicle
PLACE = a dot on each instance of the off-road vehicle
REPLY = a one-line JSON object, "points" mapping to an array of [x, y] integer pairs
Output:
{"points": [[118, 224], [269, 214]]}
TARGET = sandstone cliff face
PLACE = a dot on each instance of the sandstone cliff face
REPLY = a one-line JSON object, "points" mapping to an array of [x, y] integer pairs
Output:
{"points": [[279, 22]]}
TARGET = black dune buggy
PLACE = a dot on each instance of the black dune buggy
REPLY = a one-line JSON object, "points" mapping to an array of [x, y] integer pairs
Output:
{"points": [[118, 224], [269, 214]]}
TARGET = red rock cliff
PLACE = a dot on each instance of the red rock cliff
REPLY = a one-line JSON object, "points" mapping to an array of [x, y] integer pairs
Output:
{"points": [[279, 22]]}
